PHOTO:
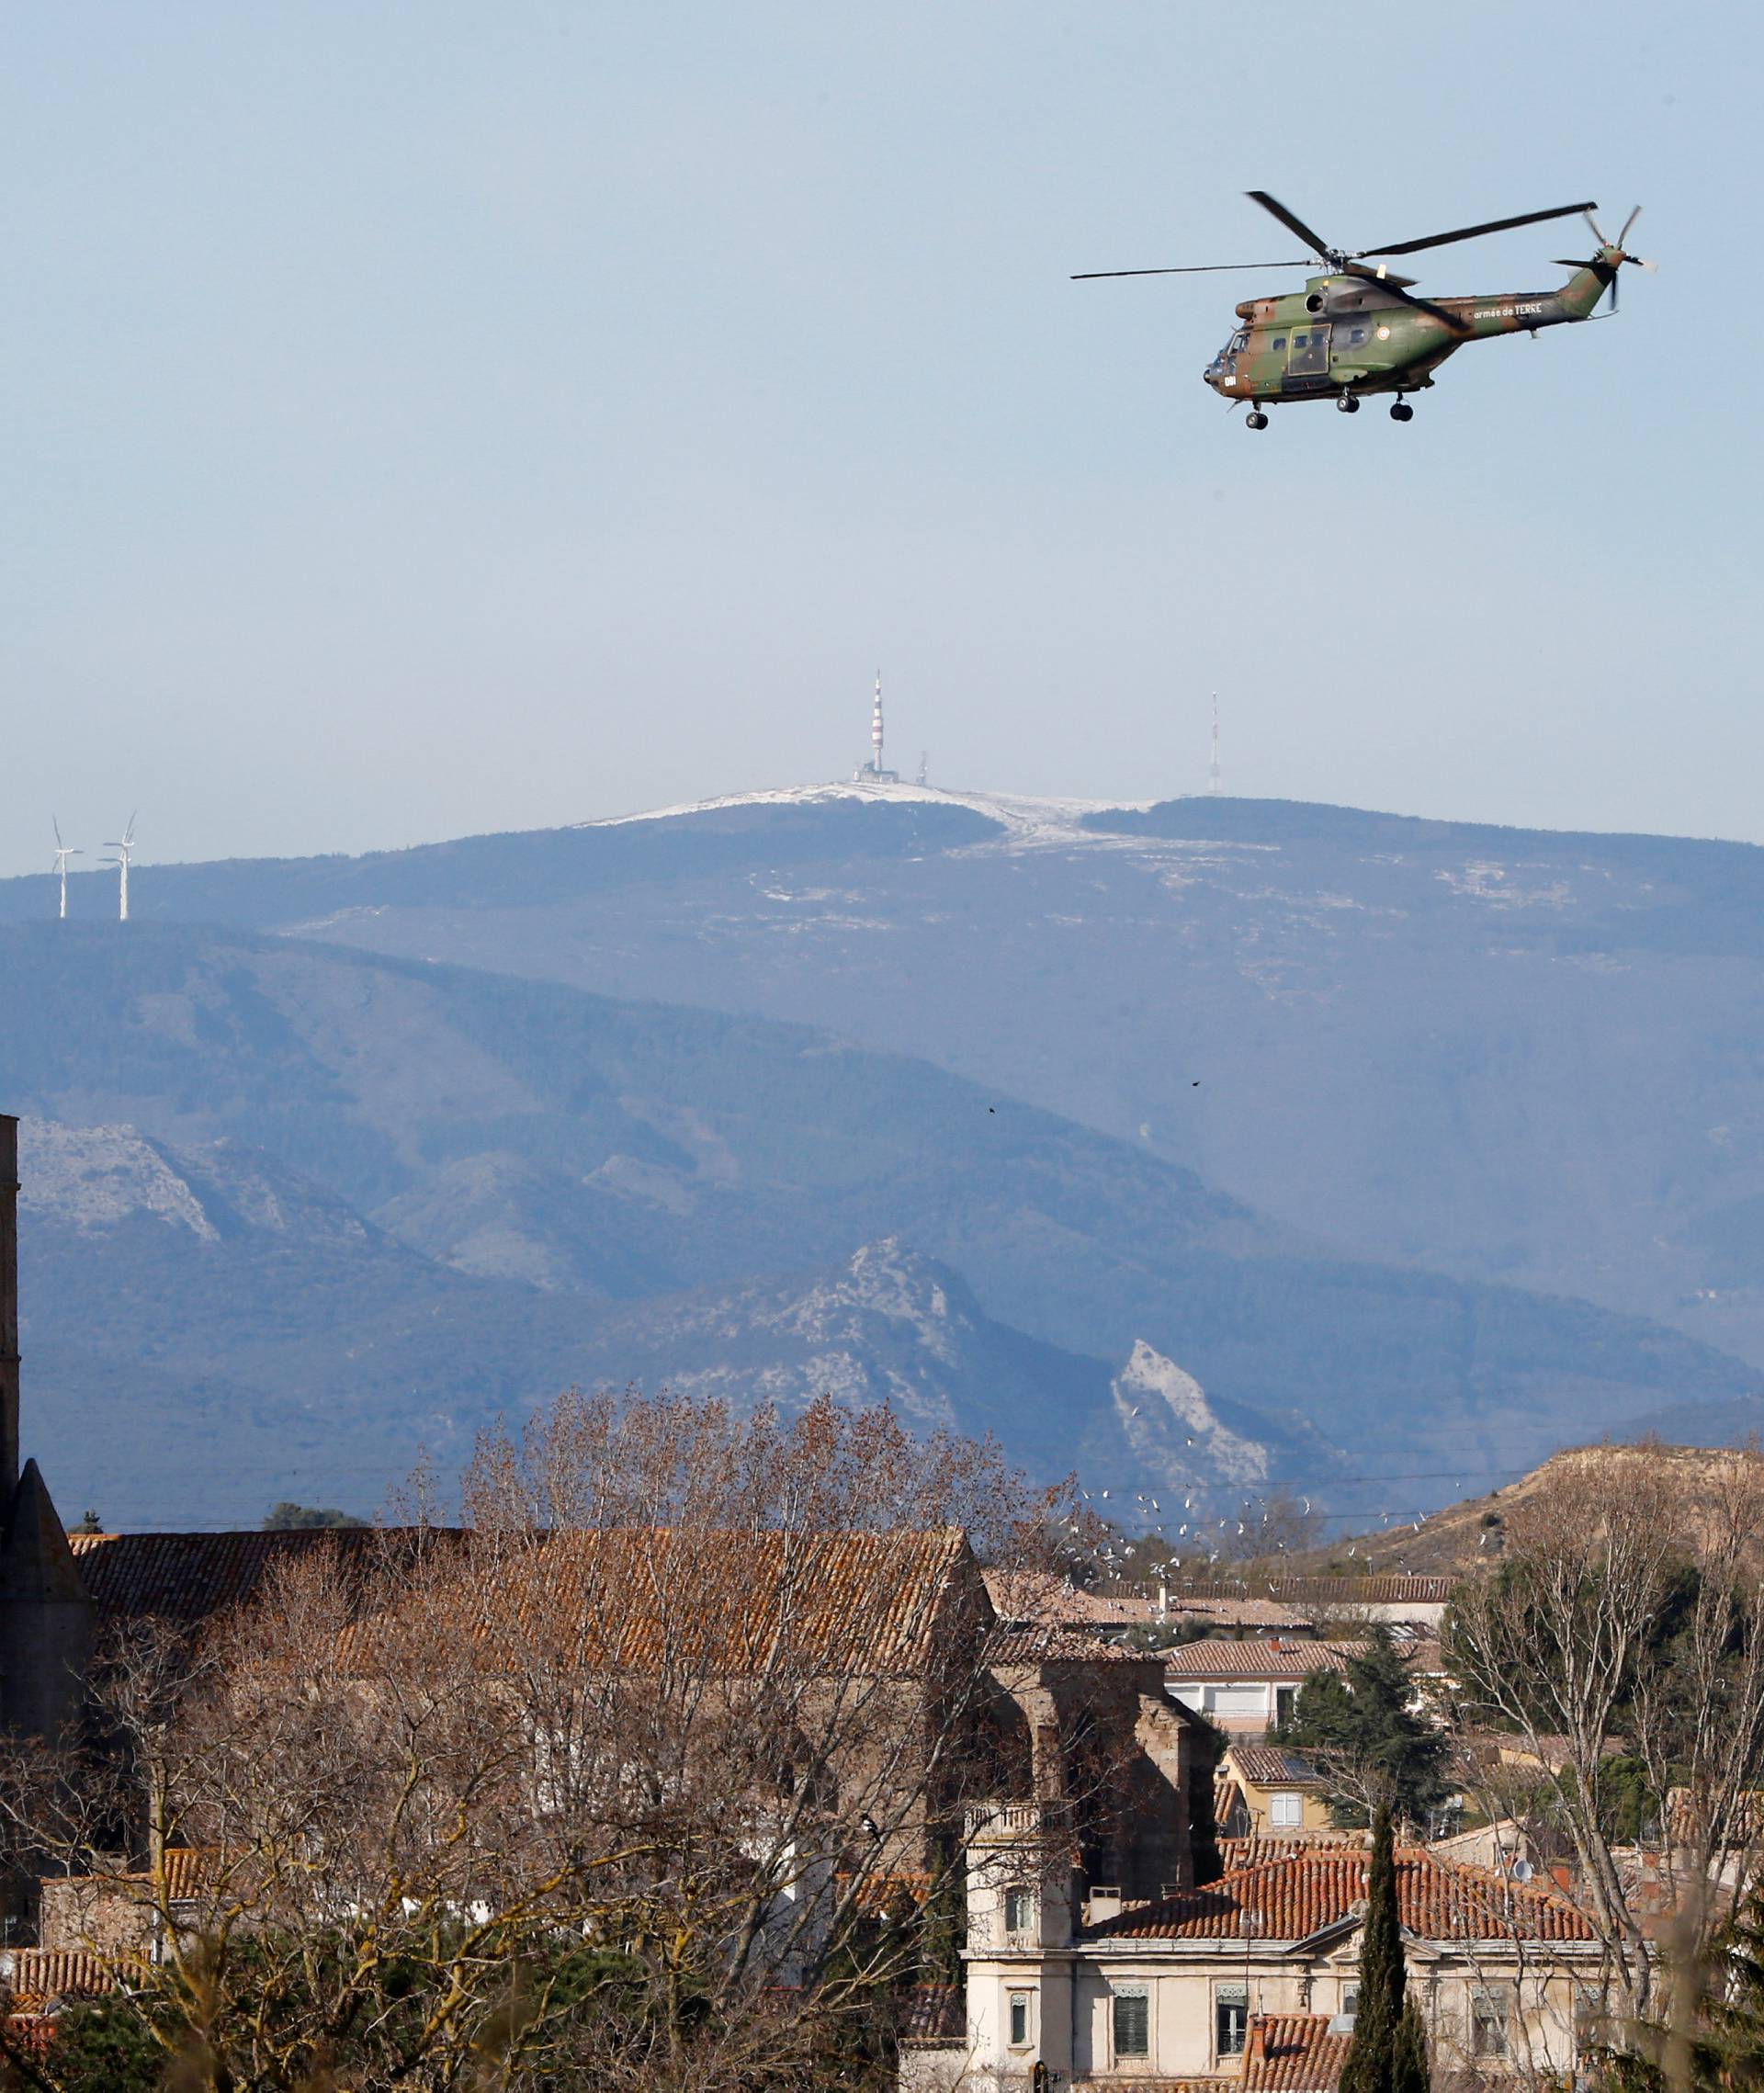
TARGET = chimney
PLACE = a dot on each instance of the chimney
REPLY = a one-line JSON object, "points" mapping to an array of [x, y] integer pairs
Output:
{"points": [[8, 1307]]}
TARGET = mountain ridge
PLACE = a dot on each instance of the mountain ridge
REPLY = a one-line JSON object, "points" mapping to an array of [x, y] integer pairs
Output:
{"points": [[488, 1132]]}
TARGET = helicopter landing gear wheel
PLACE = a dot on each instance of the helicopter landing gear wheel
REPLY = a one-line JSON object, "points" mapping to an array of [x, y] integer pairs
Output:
{"points": [[1402, 411], [1256, 420], [1346, 403]]}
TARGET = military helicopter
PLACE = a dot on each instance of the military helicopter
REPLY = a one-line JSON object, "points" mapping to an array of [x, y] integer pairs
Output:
{"points": [[1359, 329]]}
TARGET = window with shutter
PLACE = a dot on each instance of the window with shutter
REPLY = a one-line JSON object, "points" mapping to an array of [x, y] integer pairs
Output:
{"points": [[1132, 2021]]}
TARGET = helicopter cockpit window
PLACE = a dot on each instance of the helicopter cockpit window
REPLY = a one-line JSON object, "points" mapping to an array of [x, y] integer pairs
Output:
{"points": [[1240, 341]]}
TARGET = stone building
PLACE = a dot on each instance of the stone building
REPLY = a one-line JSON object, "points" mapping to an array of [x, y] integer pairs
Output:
{"points": [[1219, 1984], [46, 1617]]}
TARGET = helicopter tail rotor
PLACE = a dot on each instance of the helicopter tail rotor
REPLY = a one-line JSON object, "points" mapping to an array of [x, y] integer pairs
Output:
{"points": [[1613, 252]]}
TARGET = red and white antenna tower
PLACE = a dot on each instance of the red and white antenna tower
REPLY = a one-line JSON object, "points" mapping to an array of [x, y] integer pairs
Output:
{"points": [[875, 772]]}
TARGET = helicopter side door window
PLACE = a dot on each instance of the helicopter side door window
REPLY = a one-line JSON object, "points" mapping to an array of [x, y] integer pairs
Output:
{"points": [[1309, 355]]}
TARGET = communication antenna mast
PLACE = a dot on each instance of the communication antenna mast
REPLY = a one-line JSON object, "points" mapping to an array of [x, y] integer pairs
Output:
{"points": [[924, 767], [875, 771], [121, 861], [62, 856], [1213, 768]]}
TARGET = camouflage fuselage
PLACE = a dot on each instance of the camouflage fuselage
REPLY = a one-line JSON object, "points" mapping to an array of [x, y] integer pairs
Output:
{"points": [[1349, 333]]}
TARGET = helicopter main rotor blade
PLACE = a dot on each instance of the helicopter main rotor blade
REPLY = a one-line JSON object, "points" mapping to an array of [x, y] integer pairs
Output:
{"points": [[1395, 286], [1623, 238], [1476, 232], [1275, 209], [1196, 269]]}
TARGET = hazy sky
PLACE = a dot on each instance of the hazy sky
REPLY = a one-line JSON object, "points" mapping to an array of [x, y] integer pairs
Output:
{"points": [[432, 418]]}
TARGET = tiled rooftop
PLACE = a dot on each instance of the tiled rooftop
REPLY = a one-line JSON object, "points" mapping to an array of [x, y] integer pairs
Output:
{"points": [[35, 1976], [1054, 1642], [1254, 1852], [1271, 1766], [1393, 1588], [187, 1578], [1293, 2053], [1290, 1900], [623, 1594], [934, 2014], [1038, 1595], [1225, 1659]]}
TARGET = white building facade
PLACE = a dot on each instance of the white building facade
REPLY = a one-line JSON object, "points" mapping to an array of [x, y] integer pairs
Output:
{"points": [[1505, 1977]]}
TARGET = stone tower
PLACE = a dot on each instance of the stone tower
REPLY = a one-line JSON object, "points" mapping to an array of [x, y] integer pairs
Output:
{"points": [[46, 1616], [8, 1306]]}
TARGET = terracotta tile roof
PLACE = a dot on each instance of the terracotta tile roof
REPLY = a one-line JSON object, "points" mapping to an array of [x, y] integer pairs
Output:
{"points": [[1255, 1852], [1052, 1642], [888, 1893], [35, 1976], [934, 2013], [1271, 1766], [1038, 1595], [188, 1870], [187, 1578], [877, 1596], [627, 1596], [1293, 2053], [1290, 1900], [1393, 1588], [1237, 1611], [1224, 1657], [1114, 2085]]}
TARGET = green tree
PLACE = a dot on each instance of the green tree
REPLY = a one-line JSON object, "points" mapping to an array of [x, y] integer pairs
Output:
{"points": [[288, 1517], [1388, 2052], [1371, 1748], [105, 2046]]}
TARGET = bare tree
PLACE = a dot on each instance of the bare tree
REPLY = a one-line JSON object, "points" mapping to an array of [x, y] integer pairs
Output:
{"points": [[1624, 1626], [653, 1770]]}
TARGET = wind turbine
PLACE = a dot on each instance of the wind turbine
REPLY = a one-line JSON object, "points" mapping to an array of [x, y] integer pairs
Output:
{"points": [[121, 861], [62, 856]]}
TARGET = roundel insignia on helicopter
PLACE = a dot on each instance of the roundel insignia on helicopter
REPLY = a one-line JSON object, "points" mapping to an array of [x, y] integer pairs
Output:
{"points": [[1357, 328]]}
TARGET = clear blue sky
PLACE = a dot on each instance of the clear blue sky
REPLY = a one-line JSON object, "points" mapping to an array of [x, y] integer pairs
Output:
{"points": [[422, 419]]}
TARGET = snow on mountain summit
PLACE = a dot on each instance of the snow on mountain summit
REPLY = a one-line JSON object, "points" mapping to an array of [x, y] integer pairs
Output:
{"points": [[1024, 819]]}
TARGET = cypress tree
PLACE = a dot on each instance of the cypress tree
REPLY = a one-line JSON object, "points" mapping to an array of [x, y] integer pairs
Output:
{"points": [[1388, 2052]]}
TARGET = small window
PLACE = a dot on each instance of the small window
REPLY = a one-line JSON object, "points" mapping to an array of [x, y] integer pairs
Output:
{"points": [[1279, 340], [1019, 1911], [1349, 1997], [1588, 2018], [1132, 2021], [1287, 1810], [1356, 337], [1488, 2023], [1285, 1697], [1230, 2018], [1020, 2019], [1301, 341]]}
